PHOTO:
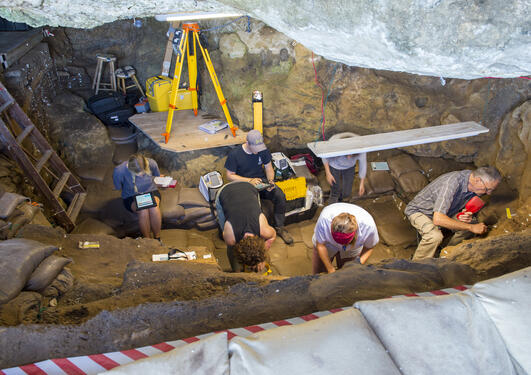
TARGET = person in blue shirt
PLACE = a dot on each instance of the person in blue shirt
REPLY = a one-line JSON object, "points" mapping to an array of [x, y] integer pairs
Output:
{"points": [[134, 177]]}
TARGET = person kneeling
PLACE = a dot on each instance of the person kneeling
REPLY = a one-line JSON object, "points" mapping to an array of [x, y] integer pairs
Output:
{"points": [[344, 230], [245, 229], [135, 179]]}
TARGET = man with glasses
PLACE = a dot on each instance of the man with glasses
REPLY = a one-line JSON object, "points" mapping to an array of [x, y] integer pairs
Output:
{"points": [[438, 204], [345, 231]]}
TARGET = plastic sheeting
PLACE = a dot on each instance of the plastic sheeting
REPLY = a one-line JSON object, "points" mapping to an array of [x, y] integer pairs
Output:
{"points": [[336, 344], [205, 357]]}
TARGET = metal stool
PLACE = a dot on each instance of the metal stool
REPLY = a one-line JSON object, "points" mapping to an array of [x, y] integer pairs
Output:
{"points": [[128, 72], [96, 84]]}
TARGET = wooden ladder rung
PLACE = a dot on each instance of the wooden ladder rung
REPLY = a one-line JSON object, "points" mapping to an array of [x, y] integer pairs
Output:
{"points": [[43, 160], [24, 134], [4, 106], [61, 184], [75, 206]]}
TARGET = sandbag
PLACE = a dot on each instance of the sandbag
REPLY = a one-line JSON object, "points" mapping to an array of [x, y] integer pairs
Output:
{"points": [[169, 207], [380, 181], [204, 219], [340, 343], [449, 334], [26, 304], [193, 213], [508, 303], [8, 203], [208, 356], [190, 197], [207, 225], [46, 272], [412, 182], [18, 259], [60, 285], [401, 164]]}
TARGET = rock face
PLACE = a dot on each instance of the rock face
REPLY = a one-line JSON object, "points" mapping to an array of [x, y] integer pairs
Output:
{"points": [[440, 38], [82, 139]]}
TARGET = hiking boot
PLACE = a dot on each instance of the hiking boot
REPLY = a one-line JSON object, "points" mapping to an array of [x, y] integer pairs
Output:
{"points": [[284, 234]]}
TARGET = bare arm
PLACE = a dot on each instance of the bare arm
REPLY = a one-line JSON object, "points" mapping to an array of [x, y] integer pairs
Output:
{"points": [[232, 176], [323, 254], [228, 234], [365, 254], [331, 180], [270, 173], [267, 232], [444, 221]]}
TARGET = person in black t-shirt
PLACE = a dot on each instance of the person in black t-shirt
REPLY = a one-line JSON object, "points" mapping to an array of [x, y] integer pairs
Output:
{"points": [[245, 229], [251, 162]]}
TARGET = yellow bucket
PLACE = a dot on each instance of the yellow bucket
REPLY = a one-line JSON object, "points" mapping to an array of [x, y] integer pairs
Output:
{"points": [[158, 91]]}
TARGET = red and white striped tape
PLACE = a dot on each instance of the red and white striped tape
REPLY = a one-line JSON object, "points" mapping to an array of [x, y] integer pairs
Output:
{"points": [[96, 363]]}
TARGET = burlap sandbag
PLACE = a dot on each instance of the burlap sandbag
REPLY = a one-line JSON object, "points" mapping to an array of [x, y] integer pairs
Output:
{"points": [[193, 213], [8, 203], [18, 259], [191, 197], [207, 225], [412, 182], [60, 285], [169, 207], [24, 305], [401, 164], [46, 272], [380, 181]]}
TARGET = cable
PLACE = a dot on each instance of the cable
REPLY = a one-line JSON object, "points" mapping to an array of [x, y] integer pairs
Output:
{"points": [[322, 100]]}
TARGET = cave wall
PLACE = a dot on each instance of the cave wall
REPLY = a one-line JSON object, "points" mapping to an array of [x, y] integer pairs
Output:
{"points": [[360, 100]]}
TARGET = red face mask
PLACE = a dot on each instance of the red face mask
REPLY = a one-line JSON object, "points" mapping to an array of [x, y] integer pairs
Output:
{"points": [[343, 238]]}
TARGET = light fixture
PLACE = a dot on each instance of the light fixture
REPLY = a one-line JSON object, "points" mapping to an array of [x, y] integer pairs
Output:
{"points": [[194, 16]]}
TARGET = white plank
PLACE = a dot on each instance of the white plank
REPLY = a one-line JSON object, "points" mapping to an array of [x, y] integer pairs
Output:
{"points": [[402, 138]]}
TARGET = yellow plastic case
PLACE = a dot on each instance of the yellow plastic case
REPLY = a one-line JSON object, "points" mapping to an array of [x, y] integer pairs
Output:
{"points": [[294, 188], [158, 91]]}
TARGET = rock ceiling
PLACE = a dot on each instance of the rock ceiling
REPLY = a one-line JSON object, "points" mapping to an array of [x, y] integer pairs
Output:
{"points": [[451, 38]]}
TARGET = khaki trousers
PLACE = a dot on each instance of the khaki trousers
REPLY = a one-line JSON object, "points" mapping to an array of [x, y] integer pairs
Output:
{"points": [[432, 236]]}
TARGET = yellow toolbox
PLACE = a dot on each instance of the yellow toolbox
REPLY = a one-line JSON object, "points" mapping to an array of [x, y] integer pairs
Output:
{"points": [[158, 90]]}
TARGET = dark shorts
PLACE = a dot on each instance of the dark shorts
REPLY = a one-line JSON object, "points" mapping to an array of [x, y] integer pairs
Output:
{"points": [[129, 200]]}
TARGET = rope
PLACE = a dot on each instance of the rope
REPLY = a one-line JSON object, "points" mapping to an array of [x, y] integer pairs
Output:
{"points": [[324, 99]]}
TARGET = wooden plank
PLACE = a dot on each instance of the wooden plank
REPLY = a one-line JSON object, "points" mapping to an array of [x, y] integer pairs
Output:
{"points": [[185, 133], [61, 184], [402, 138], [24, 134], [44, 158], [166, 63], [75, 206], [15, 44]]}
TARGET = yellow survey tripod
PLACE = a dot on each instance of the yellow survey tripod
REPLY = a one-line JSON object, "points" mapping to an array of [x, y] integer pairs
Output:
{"points": [[189, 39]]}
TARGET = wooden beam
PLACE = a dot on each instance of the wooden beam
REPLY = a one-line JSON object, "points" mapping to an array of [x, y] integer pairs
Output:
{"points": [[402, 138]]}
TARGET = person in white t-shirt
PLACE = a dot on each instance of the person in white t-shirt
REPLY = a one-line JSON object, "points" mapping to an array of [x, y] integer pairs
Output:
{"points": [[346, 230]]}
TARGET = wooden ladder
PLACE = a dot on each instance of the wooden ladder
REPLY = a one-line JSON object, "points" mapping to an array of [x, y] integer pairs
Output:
{"points": [[63, 179]]}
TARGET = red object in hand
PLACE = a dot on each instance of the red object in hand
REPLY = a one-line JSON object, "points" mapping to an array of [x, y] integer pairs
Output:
{"points": [[473, 205]]}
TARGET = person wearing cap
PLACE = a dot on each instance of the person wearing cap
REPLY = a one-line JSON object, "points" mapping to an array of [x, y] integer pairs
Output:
{"points": [[251, 162], [345, 231], [340, 171]]}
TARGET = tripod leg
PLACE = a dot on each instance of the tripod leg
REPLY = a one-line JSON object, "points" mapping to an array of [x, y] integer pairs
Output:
{"points": [[192, 70], [175, 84], [215, 81]]}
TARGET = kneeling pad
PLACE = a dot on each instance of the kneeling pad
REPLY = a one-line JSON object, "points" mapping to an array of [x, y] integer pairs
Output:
{"points": [[340, 343], [205, 357], [449, 334], [508, 303]]}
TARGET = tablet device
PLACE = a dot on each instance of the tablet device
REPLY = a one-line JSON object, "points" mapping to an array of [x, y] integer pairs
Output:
{"points": [[146, 200], [262, 186]]}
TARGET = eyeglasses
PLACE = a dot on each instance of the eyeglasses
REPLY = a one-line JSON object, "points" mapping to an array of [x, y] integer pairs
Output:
{"points": [[487, 190]]}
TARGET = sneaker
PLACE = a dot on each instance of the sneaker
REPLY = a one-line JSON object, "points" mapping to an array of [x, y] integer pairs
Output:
{"points": [[284, 234]]}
